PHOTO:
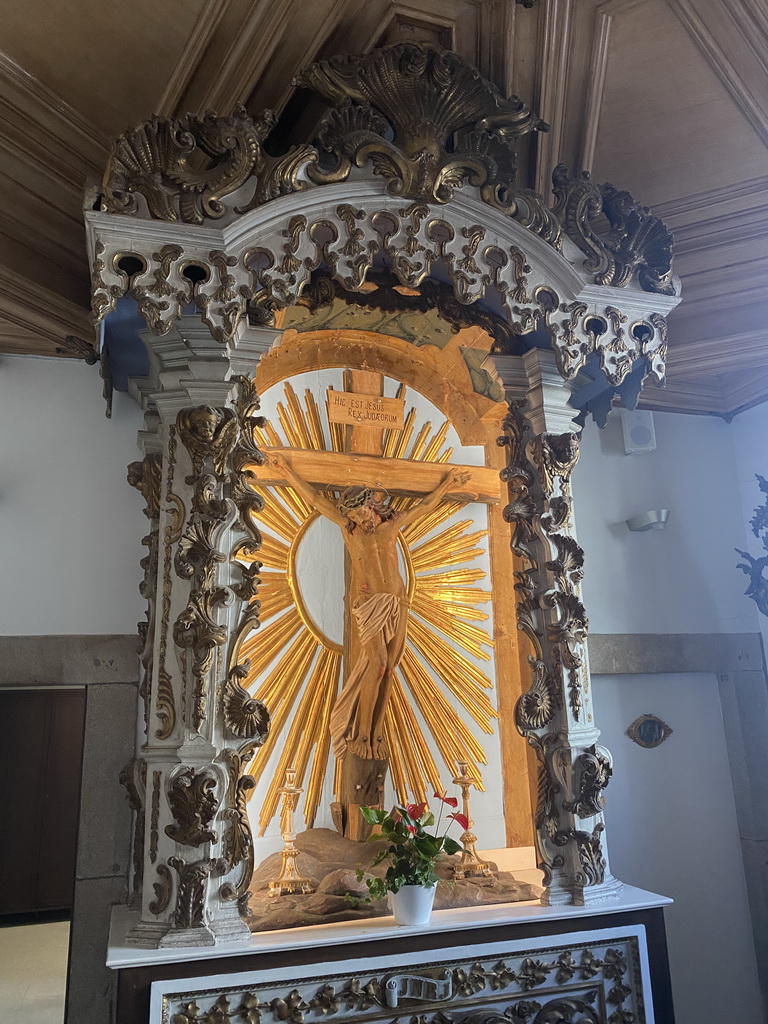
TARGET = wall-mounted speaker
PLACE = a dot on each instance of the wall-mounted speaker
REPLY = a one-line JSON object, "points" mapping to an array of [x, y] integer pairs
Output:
{"points": [[638, 429]]}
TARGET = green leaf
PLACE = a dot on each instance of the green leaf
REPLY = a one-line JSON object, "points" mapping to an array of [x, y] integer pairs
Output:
{"points": [[451, 846], [373, 815]]}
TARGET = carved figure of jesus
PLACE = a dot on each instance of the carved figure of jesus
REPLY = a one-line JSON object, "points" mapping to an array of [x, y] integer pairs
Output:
{"points": [[378, 604]]}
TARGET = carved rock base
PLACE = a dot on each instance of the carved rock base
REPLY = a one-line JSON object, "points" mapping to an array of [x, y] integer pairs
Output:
{"points": [[329, 861]]}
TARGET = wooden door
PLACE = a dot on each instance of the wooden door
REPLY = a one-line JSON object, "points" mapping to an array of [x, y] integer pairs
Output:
{"points": [[41, 753]]}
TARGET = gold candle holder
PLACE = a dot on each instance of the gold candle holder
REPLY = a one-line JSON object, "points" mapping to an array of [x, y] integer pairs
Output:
{"points": [[470, 865], [289, 880]]}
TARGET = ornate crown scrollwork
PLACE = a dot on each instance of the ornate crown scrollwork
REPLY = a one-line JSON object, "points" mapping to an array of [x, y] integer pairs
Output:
{"points": [[448, 125], [636, 242], [156, 161]]}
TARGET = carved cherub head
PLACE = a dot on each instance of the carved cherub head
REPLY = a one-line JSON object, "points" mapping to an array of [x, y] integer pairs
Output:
{"points": [[204, 422]]}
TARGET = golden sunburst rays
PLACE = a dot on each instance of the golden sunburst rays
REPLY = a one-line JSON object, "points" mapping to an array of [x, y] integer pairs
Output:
{"points": [[439, 691]]}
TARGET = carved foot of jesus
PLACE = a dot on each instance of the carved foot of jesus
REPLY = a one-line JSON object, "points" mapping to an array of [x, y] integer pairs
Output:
{"points": [[363, 747]]}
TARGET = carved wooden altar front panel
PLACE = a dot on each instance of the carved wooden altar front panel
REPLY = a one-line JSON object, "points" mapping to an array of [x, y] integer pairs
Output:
{"points": [[598, 977]]}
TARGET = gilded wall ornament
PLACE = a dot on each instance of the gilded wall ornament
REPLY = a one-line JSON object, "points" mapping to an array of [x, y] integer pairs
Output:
{"points": [[636, 243], [192, 800]]}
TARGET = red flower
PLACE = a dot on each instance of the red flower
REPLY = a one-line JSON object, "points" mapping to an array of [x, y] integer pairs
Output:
{"points": [[415, 811], [411, 829], [462, 819], [450, 800]]}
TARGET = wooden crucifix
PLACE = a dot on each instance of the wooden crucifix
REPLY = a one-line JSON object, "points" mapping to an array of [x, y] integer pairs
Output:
{"points": [[376, 594]]}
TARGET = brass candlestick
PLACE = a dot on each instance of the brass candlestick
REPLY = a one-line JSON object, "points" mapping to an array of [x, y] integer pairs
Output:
{"points": [[470, 865], [289, 880]]}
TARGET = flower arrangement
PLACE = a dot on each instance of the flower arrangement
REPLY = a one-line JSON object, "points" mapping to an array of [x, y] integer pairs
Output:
{"points": [[412, 851]]}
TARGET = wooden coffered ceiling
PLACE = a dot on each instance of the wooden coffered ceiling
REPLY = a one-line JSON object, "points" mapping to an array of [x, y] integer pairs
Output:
{"points": [[665, 98]]}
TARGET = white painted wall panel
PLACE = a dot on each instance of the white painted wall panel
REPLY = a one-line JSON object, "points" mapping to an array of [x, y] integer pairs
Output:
{"points": [[70, 525], [680, 580], [671, 828]]}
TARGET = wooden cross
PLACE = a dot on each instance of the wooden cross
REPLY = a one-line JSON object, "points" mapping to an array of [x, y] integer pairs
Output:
{"points": [[363, 464]]}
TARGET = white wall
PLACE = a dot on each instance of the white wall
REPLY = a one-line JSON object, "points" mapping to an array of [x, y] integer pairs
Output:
{"points": [[680, 580], [671, 828], [71, 527]]}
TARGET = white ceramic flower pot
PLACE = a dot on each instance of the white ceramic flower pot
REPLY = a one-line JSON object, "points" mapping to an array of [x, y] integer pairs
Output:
{"points": [[412, 904]]}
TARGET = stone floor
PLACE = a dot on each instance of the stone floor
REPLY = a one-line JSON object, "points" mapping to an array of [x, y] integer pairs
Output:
{"points": [[33, 972]]}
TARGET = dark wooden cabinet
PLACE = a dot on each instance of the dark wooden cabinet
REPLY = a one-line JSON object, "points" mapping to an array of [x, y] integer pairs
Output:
{"points": [[41, 753]]}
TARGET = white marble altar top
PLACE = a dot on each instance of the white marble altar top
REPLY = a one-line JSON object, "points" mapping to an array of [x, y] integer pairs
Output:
{"points": [[346, 932]]}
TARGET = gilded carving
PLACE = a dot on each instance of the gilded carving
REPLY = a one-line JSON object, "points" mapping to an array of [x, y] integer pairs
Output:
{"points": [[190, 892], [134, 778], [551, 613], [209, 436], [637, 243], [207, 433], [593, 773], [165, 706], [156, 159], [554, 456], [163, 889], [244, 716], [154, 816], [581, 983], [146, 477], [192, 800], [464, 131], [537, 706], [238, 838], [75, 346], [590, 851], [385, 297]]}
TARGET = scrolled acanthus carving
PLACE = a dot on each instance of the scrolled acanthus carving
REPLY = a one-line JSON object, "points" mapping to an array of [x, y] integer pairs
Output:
{"points": [[192, 800], [190, 891], [244, 715], [636, 244], [448, 125], [594, 773], [155, 160]]}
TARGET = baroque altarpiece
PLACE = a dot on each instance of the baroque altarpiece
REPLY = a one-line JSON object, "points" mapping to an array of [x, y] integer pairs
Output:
{"points": [[365, 363]]}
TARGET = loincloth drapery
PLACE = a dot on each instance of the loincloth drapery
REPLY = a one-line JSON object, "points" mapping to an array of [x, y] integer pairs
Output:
{"points": [[375, 615]]}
